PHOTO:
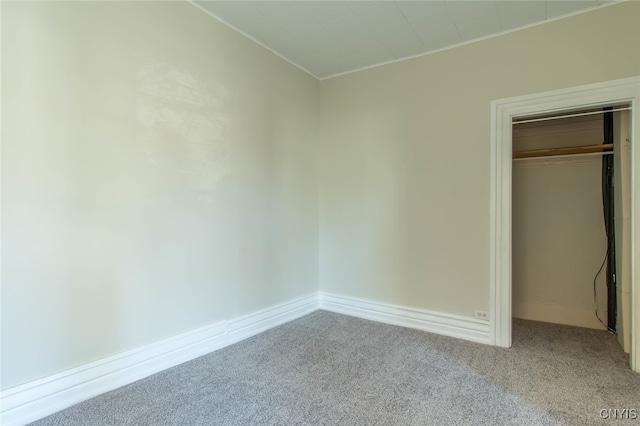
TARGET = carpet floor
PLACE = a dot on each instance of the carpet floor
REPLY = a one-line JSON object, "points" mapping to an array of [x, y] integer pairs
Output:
{"points": [[331, 369]]}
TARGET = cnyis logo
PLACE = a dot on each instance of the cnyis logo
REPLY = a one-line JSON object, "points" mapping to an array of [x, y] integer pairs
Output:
{"points": [[619, 413]]}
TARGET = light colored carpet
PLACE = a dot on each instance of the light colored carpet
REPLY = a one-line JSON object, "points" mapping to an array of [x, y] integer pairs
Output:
{"points": [[330, 369]]}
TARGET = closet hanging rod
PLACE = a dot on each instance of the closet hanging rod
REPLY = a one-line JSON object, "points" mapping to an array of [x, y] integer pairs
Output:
{"points": [[556, 117], [586, 154], [564, 151]]}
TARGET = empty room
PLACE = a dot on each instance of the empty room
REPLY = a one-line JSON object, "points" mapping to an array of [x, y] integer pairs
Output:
{"points": [[320, 212]]}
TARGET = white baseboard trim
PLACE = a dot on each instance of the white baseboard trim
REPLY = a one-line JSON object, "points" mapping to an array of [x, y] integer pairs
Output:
{"points": [[40, 398], [249, 325], [434, 322]]}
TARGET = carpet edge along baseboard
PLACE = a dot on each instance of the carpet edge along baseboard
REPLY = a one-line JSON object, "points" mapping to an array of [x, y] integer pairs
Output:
{"points": [[37, 399]]}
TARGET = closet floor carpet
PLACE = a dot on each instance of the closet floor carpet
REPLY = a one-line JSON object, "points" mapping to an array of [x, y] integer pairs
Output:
{"points": [[331, 369]]}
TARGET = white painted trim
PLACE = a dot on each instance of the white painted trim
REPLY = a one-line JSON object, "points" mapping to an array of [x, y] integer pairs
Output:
{"points": [[253, 39], [466, 328], [404, 58], [625, 90], [249, 325], [475, 40], [40, 398]]}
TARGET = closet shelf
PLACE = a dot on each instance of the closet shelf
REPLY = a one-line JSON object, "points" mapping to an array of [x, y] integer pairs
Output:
{"points": [[585, 149]]}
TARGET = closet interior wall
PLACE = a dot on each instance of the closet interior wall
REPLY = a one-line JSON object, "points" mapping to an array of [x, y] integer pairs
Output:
{"points": [[558, 231]]}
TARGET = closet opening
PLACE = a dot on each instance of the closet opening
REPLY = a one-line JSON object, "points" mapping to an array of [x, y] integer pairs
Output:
{"points": [[569, 100], [570, 219]]}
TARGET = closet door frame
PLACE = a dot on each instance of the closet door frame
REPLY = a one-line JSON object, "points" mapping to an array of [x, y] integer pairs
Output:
{"points": [[503, 111]]}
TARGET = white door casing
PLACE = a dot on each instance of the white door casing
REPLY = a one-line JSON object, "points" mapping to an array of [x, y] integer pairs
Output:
{"points": [[503, 111]]}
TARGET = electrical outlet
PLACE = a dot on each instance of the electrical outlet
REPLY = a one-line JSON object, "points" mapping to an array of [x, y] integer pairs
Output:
{"points": [[481, 315]]}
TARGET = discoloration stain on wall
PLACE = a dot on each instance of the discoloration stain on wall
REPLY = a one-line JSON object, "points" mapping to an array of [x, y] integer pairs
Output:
{"points": [[183, 129]]}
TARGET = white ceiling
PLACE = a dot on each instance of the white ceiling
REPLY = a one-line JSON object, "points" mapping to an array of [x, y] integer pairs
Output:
{"points": [[326, 38]]}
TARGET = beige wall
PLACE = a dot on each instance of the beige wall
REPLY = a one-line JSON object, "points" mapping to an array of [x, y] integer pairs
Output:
{"points": [[558, 236], [404, 157], [159, 173]]}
